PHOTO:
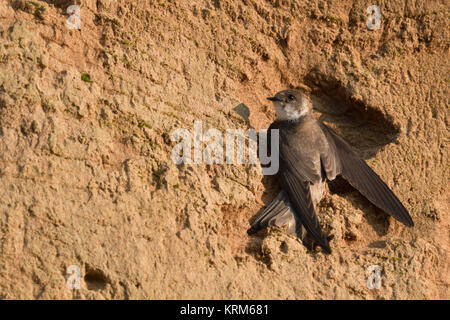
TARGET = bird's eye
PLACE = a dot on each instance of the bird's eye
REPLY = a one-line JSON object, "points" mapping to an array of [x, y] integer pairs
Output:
{"points": [[291, 97]]}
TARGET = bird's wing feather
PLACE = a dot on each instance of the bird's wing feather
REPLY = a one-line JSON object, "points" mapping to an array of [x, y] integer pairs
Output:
{"points": [[297, 171], [307, 167], [329, 161], [300, 196], [278, 213], [365, 180], [298, 162]]}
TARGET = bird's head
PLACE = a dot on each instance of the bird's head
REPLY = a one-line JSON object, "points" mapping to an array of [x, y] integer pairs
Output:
{"points": [[290, 104]]}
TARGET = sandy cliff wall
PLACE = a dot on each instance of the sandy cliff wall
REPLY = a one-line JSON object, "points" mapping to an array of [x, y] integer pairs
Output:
{"points": [[86, 177]]}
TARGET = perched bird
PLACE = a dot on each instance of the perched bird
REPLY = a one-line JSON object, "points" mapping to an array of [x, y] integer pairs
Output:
{"points": [[311, 153]]}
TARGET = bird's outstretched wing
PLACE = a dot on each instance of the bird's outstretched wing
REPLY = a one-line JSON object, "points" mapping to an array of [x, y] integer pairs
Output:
{"points": [[299, 195], [278, 213], [365, 180]]}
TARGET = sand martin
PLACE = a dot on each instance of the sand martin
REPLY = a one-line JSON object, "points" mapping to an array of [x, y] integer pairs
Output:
{"points": [[310, 154]]}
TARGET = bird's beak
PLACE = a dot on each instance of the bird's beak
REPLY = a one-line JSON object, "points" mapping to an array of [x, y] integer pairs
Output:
{"points": [[273, 99]]}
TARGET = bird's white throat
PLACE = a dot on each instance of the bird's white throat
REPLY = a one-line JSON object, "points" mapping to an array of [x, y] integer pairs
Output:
{"points": [[289, 112]]}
